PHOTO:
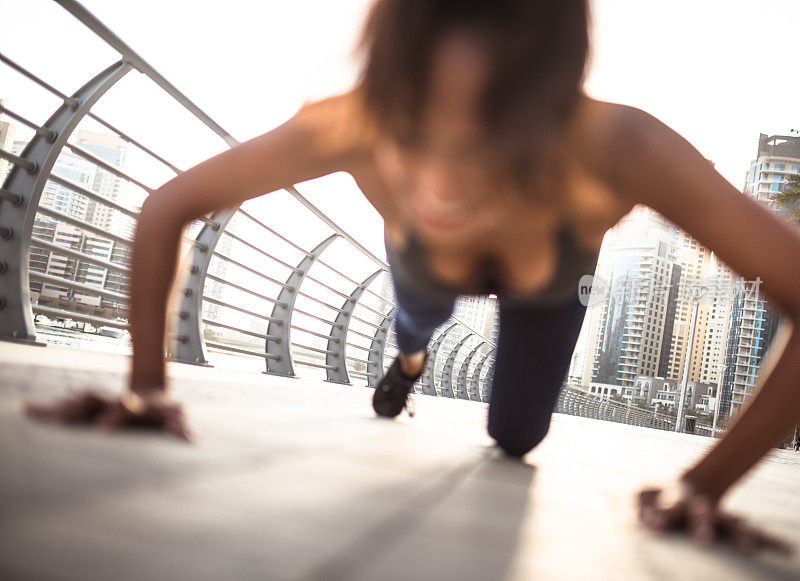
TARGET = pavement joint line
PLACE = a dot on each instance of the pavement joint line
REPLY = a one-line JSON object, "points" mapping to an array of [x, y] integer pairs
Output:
{"points": [[378, 540]]}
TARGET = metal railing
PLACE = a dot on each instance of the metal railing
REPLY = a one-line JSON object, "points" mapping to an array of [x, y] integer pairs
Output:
{"points": [[575, 400], [251, 287], [241, 295]]}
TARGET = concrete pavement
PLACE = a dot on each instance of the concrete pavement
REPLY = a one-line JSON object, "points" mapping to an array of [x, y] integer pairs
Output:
{"points": [[296, 479]]}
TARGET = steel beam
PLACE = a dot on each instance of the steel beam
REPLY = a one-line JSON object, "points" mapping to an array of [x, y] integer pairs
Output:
{"points": [[428, 384], [447, 371], [376, 350], [16, 320], [337, 342], [483, 394], [281, 364], [463, 383]]}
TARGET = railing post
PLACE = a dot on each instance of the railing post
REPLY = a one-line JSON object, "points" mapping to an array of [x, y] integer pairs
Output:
{"points": [[463, 383], [483, 394], [338, 340], [559, 408], [16, 320], [428, 383], [447, 371], [189, 327], [280, 348], [375, 357]]}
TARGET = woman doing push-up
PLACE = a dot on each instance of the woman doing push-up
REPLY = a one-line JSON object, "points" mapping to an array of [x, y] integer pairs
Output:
{"points": [[470, 133]]}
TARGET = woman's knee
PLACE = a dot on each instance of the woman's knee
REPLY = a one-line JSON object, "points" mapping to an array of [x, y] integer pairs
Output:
{"points": [[518, 440]]}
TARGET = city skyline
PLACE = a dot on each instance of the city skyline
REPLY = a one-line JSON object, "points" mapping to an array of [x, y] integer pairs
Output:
{"points": [[730, 324]]}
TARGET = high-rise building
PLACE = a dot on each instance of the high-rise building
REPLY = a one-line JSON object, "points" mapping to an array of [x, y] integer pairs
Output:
{"points": [[753, 321], [582, 365], [631, 339], [717, 314], [480, 313], [778, 158], [696, 264], [66, 200], [753, 325], [71, 202], [67, 268], [113, 151]]}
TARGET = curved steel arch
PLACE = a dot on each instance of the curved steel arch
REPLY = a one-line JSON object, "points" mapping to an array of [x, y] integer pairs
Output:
{"points": [[447, 372], [338, 341], [428, 385], [462, 384], [278, 347], [190, 346], [16, 319], [476, 377], [375, 357]]}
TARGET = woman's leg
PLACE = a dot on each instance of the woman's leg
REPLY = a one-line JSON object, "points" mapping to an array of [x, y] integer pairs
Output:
{"points": [[534, 350], [417, 315]]}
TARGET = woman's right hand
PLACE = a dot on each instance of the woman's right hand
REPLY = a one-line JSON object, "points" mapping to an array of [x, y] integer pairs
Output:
{"points": [[150, 410], [681, 508]]}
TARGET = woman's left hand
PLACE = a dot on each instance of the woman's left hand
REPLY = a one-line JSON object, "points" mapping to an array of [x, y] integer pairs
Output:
{"points": [[680, 508], [152, 410]]}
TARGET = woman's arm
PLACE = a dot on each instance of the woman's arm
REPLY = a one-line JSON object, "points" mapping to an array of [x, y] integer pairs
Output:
{"points": [[296, 151], [315, 142], [655, 166]]}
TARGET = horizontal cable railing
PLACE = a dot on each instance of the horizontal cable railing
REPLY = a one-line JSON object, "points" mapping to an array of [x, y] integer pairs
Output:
{"points": [[304, 294], [79, 256]]}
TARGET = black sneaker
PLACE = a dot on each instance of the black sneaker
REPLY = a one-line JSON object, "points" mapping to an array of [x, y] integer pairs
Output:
{"points": [[393, 392]]}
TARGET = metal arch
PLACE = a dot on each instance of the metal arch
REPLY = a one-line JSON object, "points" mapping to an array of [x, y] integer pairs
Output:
{"points": [[376, 350], [16, 320], [476, 377], [428, 385], [461, 384], [575, 403], [447, 372], [590, 406], [337, 342], [565, 401], [190, 345], [280, 362], [487, 385], [598, 408]]}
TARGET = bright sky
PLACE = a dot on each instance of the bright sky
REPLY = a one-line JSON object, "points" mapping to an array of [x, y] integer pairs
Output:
{"points": [[718, 72]]}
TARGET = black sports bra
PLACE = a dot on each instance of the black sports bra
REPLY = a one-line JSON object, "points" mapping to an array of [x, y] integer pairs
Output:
{"points": [[409, 267]]}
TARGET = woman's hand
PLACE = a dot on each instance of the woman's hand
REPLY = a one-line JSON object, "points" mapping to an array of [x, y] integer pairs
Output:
{"points": [[681, 508], [151, 410]]}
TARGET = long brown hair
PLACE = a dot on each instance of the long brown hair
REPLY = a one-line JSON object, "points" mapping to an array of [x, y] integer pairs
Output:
{"points": [[537, 52]]}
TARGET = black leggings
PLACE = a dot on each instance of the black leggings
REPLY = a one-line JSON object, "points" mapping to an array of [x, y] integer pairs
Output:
{"points": [[534, 349]]}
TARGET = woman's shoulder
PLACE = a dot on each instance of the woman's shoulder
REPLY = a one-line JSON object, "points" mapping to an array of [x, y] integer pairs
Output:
{"points": [[592, 203], [601, 129], [339, 125], [609, 136], [614, 143], [330, 108], [344, 131]]}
